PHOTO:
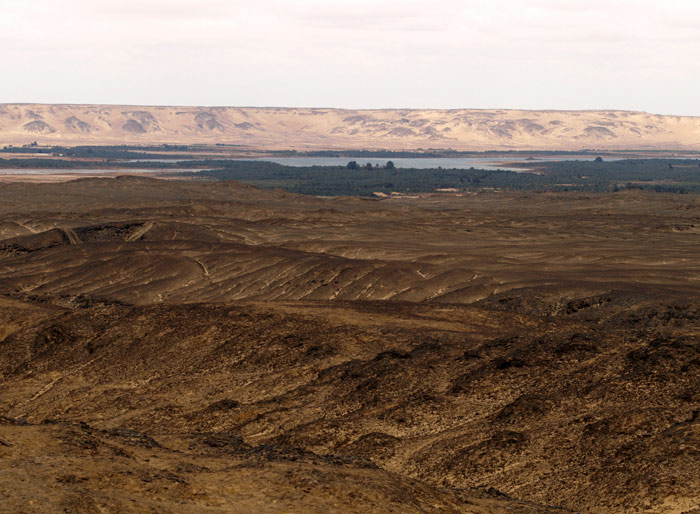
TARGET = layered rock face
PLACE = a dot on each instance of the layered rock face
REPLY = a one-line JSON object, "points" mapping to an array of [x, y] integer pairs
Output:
{"points": [[306, 128]]}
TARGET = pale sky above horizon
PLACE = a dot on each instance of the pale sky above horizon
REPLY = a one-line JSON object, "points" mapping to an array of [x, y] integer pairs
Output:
{"points": [[529, 54]]}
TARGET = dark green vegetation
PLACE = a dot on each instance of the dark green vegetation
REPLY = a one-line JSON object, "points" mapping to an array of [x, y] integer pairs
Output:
{"points": [[134, 151], [212, 163], [108, 163], [93, 150], [362, 181], [662, 175]]}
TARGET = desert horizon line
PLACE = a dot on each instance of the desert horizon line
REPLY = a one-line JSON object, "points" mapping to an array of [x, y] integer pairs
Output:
{"points": [[292, 107]]}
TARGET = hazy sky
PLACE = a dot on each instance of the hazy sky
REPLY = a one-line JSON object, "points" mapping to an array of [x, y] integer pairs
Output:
{"points": [[533, 54]]}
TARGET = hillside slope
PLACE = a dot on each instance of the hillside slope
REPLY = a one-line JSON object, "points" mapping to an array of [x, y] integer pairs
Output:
{"points": [[306, 128], [181, 346]]}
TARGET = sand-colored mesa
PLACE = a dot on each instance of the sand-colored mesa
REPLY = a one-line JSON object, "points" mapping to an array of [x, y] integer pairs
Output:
{"points": [[307, 128]]}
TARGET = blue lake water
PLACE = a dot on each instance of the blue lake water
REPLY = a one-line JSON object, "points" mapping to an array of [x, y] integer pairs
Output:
{"points": [[400, 162], [487, 163]]}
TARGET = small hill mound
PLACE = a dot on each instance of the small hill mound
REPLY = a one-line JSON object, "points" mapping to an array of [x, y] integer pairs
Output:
{"points": [[134, 127], [76, 124], [206, 120], [39, 127]]}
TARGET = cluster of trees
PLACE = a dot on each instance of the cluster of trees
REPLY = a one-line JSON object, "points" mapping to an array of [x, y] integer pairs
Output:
{"points": [[648, 174], [662, 175], [103, 152], [352, 165], [30, 148]]}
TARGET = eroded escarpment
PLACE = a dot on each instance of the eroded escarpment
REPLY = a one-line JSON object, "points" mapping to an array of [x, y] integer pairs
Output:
{"points": [[307, 128]]}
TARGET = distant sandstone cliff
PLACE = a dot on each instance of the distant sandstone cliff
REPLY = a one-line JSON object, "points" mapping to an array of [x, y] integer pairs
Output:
{"points": [[302, 128]]}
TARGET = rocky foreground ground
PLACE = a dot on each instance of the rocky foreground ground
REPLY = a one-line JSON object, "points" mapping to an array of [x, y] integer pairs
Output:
{"points": [[188, 347]]}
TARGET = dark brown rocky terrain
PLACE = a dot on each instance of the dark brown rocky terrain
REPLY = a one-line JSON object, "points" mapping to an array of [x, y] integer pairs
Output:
{"points": [[187, 347]]}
